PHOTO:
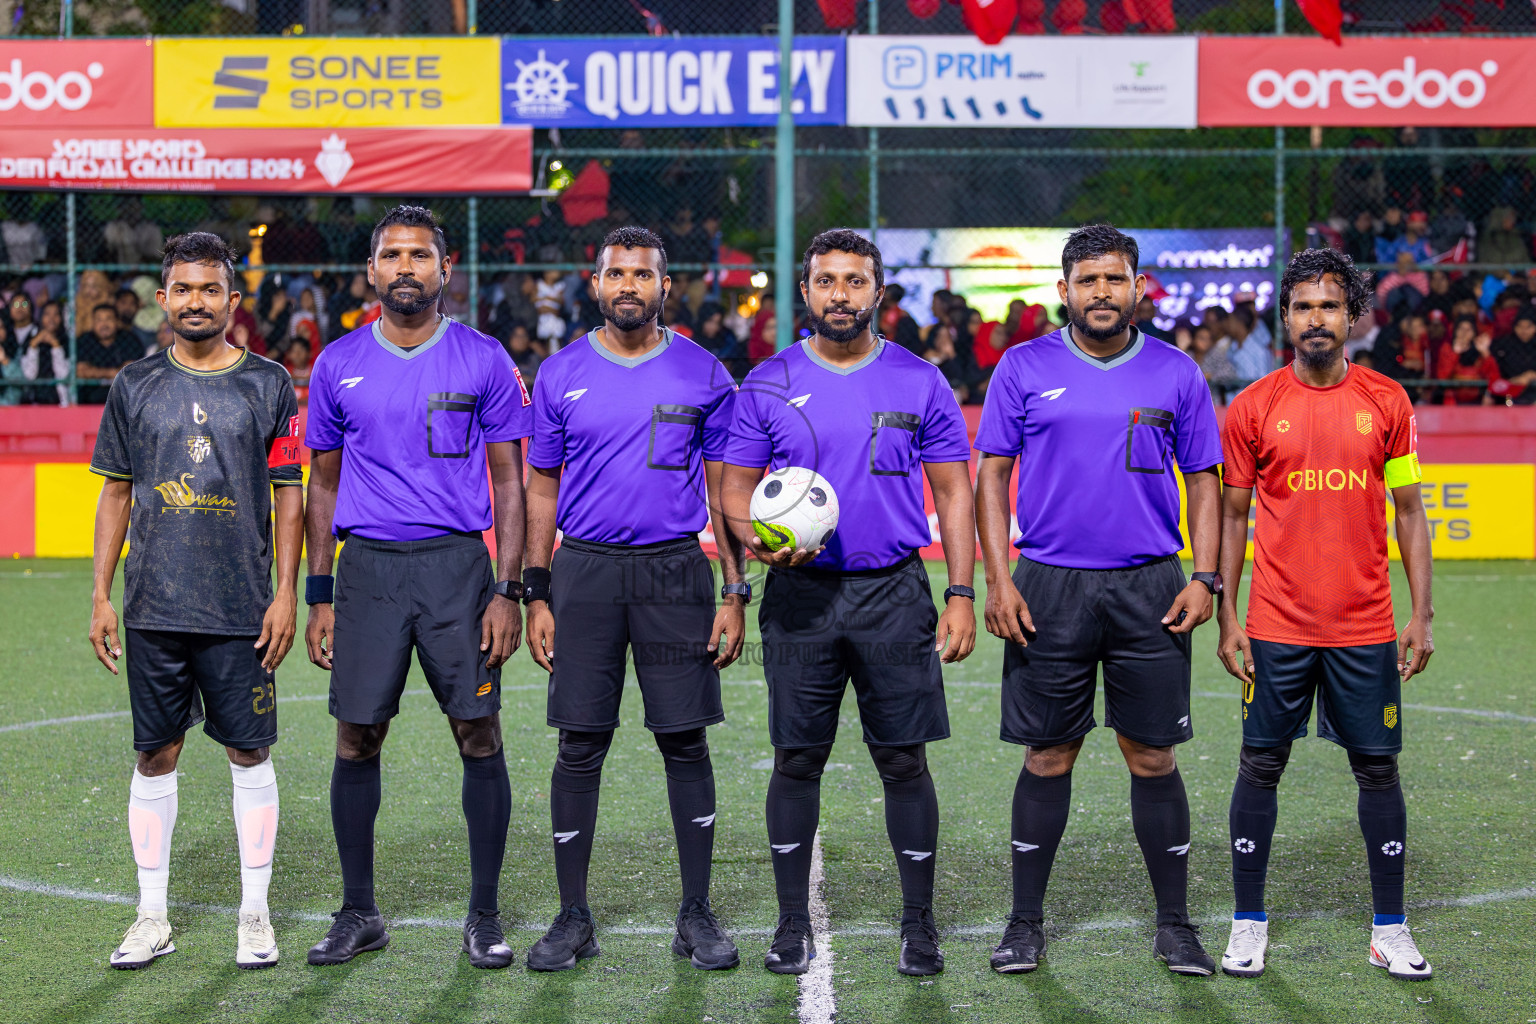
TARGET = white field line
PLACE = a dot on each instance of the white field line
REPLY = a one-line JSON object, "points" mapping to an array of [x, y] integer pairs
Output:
{"points": [[821, 926], [818, 1003]]}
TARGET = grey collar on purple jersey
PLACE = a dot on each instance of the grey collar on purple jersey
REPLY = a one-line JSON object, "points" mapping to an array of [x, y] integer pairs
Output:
{"points": [[813, 356], [1137, 340], [630, 362], [413, 352]]}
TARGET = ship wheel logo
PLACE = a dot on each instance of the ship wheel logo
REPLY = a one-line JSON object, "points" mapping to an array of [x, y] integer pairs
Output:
{"points": [[541, 88]]}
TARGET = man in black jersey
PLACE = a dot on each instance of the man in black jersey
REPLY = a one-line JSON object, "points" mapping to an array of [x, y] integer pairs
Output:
{"points": [[194, 443]]}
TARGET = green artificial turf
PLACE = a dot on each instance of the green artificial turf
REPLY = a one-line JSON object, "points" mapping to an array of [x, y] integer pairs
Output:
{"points": [[1471, 868]]}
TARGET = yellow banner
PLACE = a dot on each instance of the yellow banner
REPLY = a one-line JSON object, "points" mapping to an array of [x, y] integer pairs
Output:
{"points": [[255, 82], [1474, 511]]}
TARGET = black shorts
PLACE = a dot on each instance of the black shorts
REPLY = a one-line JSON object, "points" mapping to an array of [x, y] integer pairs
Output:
{"points": [[657, 600], [876, 627], [174, 677], [1086, 617], [430, 595], [1359, 696]]}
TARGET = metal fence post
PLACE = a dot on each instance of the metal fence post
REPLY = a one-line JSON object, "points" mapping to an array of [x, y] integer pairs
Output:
{"points": [[474, 261], [72, 278], [784, 185], [1282, 256], [874, 146]]}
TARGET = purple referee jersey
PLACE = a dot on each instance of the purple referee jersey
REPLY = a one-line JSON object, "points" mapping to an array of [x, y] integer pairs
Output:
{"points": [[413, 425], [865, 428], [1097, 443], [633, 434]]}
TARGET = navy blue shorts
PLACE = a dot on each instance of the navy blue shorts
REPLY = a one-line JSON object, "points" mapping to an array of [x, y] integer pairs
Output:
{"points": [[173, 677], [1357, 688]]}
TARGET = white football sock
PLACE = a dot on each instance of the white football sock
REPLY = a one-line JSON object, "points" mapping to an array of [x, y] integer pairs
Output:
{"points": [[151, 818], [255, 808]]}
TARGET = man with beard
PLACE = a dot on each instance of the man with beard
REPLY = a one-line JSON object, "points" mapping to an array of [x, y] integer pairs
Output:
{"points": [[419, 404], [630, 423], [1099, 417], [196, 441], [872, 419], [1322, 440]]}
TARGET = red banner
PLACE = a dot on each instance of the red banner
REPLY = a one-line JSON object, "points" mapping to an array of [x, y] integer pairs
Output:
{"points": [[297, 160], [68, 82], [1385, 81]]}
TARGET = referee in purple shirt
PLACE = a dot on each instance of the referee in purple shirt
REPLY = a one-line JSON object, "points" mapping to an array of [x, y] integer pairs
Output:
{"points": [[1099, 418], [404, 414], [630, 423], [873, 420]]}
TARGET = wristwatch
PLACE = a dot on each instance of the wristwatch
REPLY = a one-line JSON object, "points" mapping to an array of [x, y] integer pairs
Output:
{"points": [[1211, 580], [950, 592], [743, 590], [512, 590]]}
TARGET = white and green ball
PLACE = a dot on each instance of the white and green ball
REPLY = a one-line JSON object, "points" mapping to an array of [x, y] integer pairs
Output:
{"points": [[794, 508]]}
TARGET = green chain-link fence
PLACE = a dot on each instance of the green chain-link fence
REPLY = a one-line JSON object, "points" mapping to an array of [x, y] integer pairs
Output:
{"points": [[710, 191]]}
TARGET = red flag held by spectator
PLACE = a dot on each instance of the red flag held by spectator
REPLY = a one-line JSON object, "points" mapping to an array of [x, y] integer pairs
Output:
{"points": [[990, 20], [1325, 16], [838, 13], [1031, 18], [586, 199]]}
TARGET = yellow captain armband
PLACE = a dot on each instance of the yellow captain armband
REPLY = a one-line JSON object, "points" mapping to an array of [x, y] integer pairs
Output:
{"points": [[1404, 470]]}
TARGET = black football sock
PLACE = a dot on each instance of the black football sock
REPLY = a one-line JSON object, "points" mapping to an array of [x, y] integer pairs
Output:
{"points": [[356, 789], [1160, 816], [794, 808], [573, 794], [912, 823], [1384, 822], [487, 800], [1251, 824], [691, 796], [1041, 806]]}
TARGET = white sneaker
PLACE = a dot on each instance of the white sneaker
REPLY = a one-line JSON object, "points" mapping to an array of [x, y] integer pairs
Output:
{"points": [[258, 946], [1392, 947], [1244, 957], [149, 937]]}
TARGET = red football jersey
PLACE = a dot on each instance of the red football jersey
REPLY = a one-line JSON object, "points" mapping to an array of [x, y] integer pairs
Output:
{"points": [[1321, 461]]}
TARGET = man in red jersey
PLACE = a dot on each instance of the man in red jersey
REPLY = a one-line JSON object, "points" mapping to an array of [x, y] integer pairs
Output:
{"points": [[1323, 441]]}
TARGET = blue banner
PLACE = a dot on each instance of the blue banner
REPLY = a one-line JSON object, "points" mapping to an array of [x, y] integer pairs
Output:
{"points": [[671, 82]]}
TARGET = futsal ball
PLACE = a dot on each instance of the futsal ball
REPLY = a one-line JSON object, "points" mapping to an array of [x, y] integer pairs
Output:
{"points": [[794, 508]]}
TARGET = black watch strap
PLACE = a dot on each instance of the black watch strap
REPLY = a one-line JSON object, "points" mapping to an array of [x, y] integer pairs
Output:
{"points": [[742, 590], [512, 590], [953, 591], [1212, 581]]}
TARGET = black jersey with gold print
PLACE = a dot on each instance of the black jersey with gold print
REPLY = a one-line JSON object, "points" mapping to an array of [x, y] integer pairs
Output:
{"points": [[203, 451]]}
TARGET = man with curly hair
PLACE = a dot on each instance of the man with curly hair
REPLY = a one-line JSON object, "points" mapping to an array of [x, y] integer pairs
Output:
{"points": [[1322, 441]]}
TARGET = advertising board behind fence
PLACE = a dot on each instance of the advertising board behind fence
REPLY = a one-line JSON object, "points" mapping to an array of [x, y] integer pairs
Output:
{"points": [[651, 83], [303, 160], [1023, 82]]}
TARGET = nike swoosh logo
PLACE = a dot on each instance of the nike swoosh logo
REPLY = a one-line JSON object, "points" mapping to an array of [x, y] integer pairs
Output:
{"points": [[263, 953], [261, 837], [1025, 847], [144, 843], [784, 847], [565, 837], [917, 854], [704, 822], [1180, 850]]}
